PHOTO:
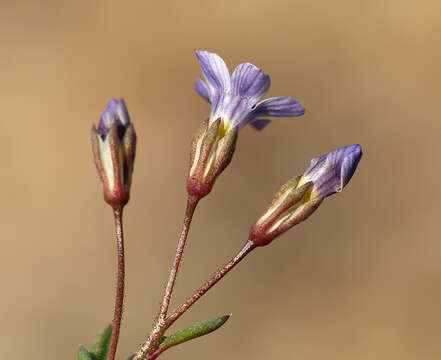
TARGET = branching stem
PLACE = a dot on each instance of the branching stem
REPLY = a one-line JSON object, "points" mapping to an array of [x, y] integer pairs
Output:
{"points": [[160, 327], [248, 247]]}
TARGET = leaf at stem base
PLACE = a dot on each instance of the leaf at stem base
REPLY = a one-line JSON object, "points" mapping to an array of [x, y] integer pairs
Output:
{"points": [[193, 331], [83, 354], [100, 346]]}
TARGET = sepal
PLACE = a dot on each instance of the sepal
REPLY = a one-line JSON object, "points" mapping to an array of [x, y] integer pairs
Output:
{"points": [[290, 206], [211, 152]]}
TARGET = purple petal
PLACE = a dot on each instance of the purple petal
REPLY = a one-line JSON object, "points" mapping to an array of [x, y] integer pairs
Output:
{"points": [[121, 112], [279, 106], [259, 124], [351, 156], [250, 81], [202, 89], [116, 111], [331, 172], [215, 71]]}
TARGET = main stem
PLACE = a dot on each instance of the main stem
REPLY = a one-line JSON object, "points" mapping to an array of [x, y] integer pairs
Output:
{"points": [[248, 247], [119, 300], [160, 327]]}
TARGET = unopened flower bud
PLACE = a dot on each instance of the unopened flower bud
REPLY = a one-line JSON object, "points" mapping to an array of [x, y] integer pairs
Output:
{"points": [[113, 146], [331, 172], [302, 195], [211, 151]]}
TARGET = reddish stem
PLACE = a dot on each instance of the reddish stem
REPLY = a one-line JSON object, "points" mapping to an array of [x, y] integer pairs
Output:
{"points": [[248, 247], [117, 211], [155, 354], [210, 283], [191, 206], [159, 327]]}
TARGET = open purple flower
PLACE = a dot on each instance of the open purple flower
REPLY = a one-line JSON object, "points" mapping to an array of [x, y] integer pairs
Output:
{"points": [[235, 99]]}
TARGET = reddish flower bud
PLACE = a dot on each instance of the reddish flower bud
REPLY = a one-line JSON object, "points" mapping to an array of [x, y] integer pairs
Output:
{"points": [[300, 196], [113, 146]]}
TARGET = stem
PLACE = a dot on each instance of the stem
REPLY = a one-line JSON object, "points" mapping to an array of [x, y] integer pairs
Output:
{"points": [[210, 283], [155, 354], [191, 206], [160, 327], [248, 247], [117, 211]]}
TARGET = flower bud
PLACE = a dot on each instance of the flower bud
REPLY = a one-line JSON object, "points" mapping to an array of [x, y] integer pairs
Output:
{"points": [[211, 151], [331, 172], [113, 146], [302, 195]]}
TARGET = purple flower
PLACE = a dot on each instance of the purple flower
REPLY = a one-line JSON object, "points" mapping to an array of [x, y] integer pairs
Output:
{"points": [[116, 112], [235, 99], [331, 172]]}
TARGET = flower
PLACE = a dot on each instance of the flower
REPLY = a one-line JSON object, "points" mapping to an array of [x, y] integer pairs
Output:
{"points": [[113, 146], [235, 99], [234, 103], [303, 194]]}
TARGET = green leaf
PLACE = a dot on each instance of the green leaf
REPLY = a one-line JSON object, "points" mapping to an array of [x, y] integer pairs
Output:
{"points": [[83, 354], [194, 331], [100, 346]]}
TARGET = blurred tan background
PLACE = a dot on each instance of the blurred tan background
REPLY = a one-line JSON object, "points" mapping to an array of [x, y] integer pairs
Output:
{"points": [[361, 279]]}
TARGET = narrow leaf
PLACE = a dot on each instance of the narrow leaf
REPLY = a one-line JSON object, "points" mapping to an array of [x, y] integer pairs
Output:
{"points": [[194, 331], [101, 344], [83, 354]]}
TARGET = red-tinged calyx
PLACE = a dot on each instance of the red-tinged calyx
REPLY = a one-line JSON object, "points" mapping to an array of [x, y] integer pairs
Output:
{"points": [[211, 151], [291, 205], [114, 146]]}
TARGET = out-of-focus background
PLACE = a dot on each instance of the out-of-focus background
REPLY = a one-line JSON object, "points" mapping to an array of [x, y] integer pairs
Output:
{"points": [[361, 279]]}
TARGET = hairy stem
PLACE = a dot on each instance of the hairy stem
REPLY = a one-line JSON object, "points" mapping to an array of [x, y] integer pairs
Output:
{"points": [[160, 327], [191, 206], [120, 284], [248, 247], [155, 354]]}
